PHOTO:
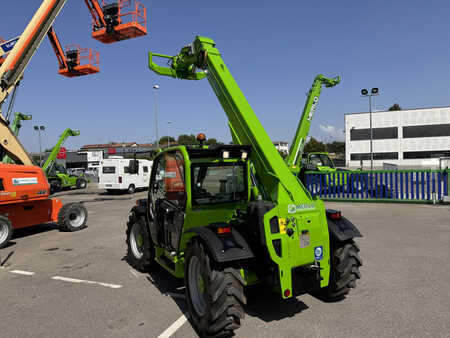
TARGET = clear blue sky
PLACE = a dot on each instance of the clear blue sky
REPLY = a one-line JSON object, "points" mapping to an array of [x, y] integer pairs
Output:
{"points": [[273, 48]]}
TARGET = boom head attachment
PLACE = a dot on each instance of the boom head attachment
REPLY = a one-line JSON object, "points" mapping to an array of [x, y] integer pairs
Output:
{"points": [[71, 132], [182, 66], [23, 117], [329, 82]]}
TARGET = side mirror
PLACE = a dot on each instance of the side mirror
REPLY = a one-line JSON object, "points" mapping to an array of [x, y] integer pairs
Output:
{"points": [[134, 167]]}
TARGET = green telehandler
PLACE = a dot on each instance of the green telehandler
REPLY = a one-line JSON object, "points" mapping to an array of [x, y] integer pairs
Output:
{"points": [[15, 127], [231, 216], [57, 175]]}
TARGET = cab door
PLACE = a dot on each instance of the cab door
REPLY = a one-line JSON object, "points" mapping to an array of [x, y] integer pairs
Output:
{"points": [[167, 198]]}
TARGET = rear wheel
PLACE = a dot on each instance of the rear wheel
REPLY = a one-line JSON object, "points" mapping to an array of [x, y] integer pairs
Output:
{"points": [[345, 263], [215, 294], [81, 183], [140, 250], [131, 189], [72, 217], [5, 231]]}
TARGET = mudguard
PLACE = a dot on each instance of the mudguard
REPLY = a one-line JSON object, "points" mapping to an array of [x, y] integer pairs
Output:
{"points": [[224, 248], [341, 229]]}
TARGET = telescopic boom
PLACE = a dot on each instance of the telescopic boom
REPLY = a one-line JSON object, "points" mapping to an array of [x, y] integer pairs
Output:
{"points": [[296, 150]]}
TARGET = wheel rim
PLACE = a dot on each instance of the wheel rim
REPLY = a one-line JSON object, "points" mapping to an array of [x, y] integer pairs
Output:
{"points": [[83, 184], [137, 241], [197, 286], [4, 232], [77, 217], [131, 188]]}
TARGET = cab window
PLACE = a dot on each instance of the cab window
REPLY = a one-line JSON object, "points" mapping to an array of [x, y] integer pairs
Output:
{"points": [[168, 182]]}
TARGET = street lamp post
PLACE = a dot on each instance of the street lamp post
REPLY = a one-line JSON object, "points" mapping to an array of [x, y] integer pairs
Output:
{"points": [[168, 133], [156, 87], [39, 129], [373, 92]]}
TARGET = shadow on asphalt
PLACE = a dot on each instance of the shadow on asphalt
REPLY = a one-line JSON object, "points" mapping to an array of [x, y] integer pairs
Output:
{"points": [[269, 306], [35, 229], [102, 199]]}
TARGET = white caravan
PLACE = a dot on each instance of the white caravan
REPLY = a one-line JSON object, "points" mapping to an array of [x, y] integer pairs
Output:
{"points": [[116, 173]]}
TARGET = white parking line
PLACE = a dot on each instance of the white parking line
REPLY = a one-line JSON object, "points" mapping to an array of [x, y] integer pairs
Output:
{"points": [[73, 280], [174, 327], [20, 272]]}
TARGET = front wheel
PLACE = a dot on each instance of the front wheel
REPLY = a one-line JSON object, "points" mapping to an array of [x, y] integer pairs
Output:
{"points": [[72, 217], [215, 294], [345, 263], [5, 231], [140, 250]]}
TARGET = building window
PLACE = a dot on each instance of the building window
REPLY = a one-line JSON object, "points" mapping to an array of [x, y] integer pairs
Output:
{"points": [[376, 156], [409, 155], [377, 134], [432, 130]]}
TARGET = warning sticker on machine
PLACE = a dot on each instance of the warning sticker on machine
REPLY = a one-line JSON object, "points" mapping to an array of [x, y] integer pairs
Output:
{"points": [[305, 239], [25, 181]]}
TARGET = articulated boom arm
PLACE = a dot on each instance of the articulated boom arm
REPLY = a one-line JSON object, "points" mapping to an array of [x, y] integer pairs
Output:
{"points": [[96, 12], [296, 150], [201, 59], [52, 157], [56, 45]]}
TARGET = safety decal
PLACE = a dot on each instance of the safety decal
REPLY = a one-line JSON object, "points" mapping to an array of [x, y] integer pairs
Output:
{"points": [[282, 224], [305, 239], [25, 181], [292, 208], [318, 253]]}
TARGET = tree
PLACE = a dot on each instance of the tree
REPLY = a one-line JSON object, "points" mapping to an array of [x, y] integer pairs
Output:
{"points": [[336, 147], [186, 140], [212, 142], [313, 145], [163, 140], [394, 107]]}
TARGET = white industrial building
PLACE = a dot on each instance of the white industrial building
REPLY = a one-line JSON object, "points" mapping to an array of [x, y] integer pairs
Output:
{"points": [[407, 138]]}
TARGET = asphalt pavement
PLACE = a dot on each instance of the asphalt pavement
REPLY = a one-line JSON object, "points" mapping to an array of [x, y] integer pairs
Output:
{"points": [[56, 284]]}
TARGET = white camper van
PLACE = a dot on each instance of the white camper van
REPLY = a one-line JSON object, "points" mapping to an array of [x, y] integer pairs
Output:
{"points": [[116, 173]]}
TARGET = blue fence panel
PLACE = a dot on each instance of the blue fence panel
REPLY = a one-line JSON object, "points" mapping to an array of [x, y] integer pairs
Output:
{"points": [[420, 185]]}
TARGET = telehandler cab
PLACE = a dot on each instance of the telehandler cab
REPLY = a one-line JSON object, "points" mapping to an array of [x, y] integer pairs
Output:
{"points": [[230, 216]]}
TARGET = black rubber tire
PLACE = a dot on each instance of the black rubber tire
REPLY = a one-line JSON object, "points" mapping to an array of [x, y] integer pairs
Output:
{"points": [[224, 295], [131, 189], [66, 221], [345, 263], [5, 225], [147, 261], [55, 186], [81, 183]]}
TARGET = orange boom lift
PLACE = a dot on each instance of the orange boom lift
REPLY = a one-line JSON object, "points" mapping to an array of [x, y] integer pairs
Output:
{"points": [[24, 190], [75, 61], [119, 20]]}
